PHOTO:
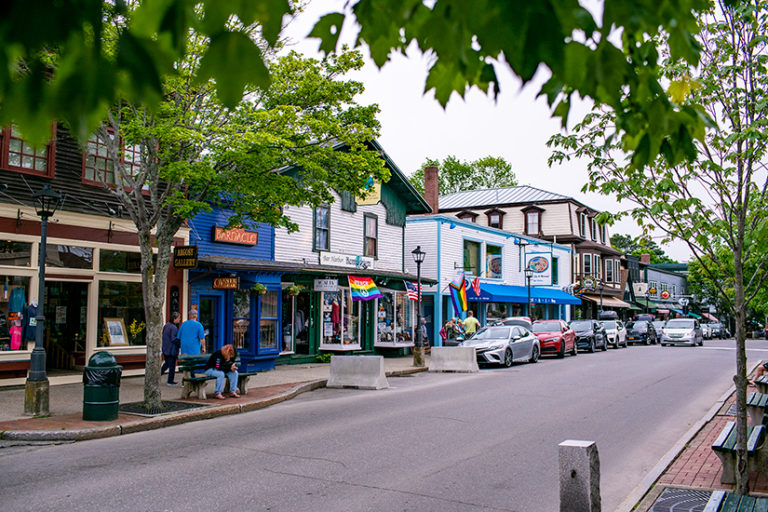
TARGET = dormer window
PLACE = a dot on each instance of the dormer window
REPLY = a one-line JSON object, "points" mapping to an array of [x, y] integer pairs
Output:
{"points": [[532, 220], [583, 225], [468, 216], [16, 155], [495, 218], [593, 228]]}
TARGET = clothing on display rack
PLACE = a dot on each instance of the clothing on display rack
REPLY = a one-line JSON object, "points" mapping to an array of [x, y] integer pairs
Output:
{"points": [[29, 322], [17, 300]]}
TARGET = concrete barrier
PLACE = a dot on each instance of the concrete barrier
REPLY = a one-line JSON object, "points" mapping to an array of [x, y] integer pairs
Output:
{"points": [[579, 476], [362, 372], [453, 359]]}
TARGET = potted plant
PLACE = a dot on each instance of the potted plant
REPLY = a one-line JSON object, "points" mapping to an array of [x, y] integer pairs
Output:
{"points": [[259, 289], [292, 290]]}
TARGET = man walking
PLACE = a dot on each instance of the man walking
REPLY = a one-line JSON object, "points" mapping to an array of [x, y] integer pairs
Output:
{"points": [[471, 324], [171, 347]]}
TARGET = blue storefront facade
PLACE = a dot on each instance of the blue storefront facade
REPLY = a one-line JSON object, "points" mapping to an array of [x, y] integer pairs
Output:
{"points": [[236, 288]]}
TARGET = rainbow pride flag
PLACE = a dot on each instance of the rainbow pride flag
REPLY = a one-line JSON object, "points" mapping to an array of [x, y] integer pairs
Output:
{"points": [[458, 289], [363, 288]]}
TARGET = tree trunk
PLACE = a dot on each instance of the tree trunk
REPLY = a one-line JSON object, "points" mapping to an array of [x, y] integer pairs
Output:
{"points": [[740, 379]]}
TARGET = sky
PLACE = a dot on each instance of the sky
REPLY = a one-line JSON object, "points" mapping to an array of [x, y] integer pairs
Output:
{"points": [[515, 125]]}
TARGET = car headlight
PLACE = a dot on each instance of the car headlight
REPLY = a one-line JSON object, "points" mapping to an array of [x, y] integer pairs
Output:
{"points": [[495, 347], [551, 339]]}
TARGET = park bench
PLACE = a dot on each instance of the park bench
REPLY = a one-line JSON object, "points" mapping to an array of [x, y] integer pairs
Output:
{"points": [[724, 447], [761, 383], [196, 385], [756, 404], [723, 501]]}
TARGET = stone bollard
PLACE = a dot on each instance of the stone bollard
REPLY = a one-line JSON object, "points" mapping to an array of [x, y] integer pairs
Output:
{"points": [[579, 476]]}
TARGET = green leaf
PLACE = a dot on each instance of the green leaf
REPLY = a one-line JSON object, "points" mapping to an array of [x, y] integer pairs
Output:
{"points": [[328, 30]]}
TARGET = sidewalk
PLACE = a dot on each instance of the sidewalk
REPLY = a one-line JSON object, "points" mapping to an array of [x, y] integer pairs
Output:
{"points": [[684, 480], [66, 402]]}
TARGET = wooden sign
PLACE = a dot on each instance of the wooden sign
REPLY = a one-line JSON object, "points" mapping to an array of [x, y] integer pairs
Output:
{"points": [[185, 256], [235, 236], [226, 283]]}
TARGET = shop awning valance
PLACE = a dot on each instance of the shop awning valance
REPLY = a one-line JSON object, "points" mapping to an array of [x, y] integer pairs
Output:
{"points": [[608, 301], [710, 317], [490, 292], [678, 311], [652, 306], [694, 315]]}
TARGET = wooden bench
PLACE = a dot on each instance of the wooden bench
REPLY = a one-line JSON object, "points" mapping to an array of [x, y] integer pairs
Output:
{"points": [[196, 385], [756, 404], [724, 447], [761, 383], [722, 501]]}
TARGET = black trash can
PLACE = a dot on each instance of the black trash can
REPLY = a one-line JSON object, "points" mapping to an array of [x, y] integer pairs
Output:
{"points": [[101, 394]]}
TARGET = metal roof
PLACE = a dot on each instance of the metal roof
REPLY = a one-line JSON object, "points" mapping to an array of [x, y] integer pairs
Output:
{"points": [[498, 196]]}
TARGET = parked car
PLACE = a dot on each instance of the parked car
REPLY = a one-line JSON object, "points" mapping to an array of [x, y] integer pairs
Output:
{"points": [[706, 331], [555, 337], [641, 331], [615, 332], [718, 330], [589, 335], [504, 344], [682, 330]]}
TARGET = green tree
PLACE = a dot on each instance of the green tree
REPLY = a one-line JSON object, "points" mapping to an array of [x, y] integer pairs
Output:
{"points": [[456, 175], [196, 153], [53, 65], [718, 199], [638, 246]]}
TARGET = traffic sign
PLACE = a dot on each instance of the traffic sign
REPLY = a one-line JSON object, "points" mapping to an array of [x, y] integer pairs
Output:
{"points": [[683, 301]]}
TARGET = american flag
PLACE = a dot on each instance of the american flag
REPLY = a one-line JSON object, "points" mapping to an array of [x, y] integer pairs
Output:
{"points": [[412, 289]]}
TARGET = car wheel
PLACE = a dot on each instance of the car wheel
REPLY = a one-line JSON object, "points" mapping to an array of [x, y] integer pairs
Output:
{"points": [[605, 344], [561, 352], [575, 349], [534, 354], [592, 345], [508, 358], [647, 340]]}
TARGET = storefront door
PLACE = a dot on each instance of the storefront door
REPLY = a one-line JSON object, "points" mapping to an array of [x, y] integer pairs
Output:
{"points": [[211, 316], [65, 323]]}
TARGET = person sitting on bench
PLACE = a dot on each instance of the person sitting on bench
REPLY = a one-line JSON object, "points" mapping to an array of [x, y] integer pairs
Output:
{"points": [[221, 365], [759, 372]]}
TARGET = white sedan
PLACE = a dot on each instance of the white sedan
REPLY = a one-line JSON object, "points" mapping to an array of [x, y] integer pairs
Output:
{"points": [[504, 344], [616, 332]]}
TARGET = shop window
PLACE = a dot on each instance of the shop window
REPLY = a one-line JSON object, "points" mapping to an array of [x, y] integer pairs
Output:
{"points": [[13, 299], [532, 222], [17, 254], [119, 261], [17, 155], [555, 270], [472, 257], [493, 261], [341, 320], [68, 256], [322, 228], [269, 321], [241, 319], [395, 316], [371, 235], [289, 323], [587, 264], [385, 319], [123, 301]]}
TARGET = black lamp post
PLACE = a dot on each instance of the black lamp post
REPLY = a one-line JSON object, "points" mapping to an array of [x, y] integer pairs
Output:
{"points": [[36, 396], [418, 353], [528, 275]]}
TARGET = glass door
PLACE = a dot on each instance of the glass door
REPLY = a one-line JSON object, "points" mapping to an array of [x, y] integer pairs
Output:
{"points": [[210, 315]]}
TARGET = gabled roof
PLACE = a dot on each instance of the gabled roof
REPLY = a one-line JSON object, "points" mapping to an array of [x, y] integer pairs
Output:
{"points": [[499, 196]]}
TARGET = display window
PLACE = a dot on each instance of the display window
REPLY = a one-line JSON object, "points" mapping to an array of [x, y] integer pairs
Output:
{"points": [[269, 320], [124, 301], [68, 256], [341, 321], [296, 312], [241, 319], [13, 299], [17, 254], [395, 314]]}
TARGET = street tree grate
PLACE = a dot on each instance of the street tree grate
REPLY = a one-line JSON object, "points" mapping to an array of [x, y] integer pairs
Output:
{"points": [[139, 409], [681, 500]]}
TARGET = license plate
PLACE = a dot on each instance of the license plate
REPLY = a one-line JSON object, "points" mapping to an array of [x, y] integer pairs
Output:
{"points": [[630, 337]]}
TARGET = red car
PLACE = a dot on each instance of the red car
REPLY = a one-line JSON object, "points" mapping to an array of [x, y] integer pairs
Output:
{"points": [[555, 337]]}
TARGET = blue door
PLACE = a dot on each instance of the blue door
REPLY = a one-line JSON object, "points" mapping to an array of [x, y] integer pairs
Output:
{"points": [[212, 317]]}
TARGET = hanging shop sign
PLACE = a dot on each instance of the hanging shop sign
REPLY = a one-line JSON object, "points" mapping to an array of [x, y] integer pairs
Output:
{"points": [[336, 259], [235, 236], [326, 285], [185, 256], [226, 283], [640, 288], [665, 294], [372, 192]]}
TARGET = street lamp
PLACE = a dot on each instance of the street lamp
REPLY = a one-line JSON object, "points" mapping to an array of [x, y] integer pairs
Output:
{"points": [[36, 396], [528, 275], [418, 351]]}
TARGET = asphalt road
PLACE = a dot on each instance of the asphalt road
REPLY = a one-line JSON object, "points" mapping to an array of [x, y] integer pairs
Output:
{"points": [[433, 442]]}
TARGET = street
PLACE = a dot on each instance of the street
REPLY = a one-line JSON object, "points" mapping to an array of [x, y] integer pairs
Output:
{"points": [[447, 442]]}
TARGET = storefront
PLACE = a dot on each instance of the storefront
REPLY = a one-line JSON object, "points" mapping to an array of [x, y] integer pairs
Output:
{"points": [[93, 296], [502, 300]]}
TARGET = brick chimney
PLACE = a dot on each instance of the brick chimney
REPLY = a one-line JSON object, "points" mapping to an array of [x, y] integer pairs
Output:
{"points": [[645, 258], [431, 187]]}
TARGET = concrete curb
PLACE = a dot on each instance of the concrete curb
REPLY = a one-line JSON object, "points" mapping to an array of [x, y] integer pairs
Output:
{"points": [[635, 499], [144, 424]]}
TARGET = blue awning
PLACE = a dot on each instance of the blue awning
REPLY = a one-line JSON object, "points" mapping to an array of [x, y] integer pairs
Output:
{"points": [[490, 292], [678, 311]]}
